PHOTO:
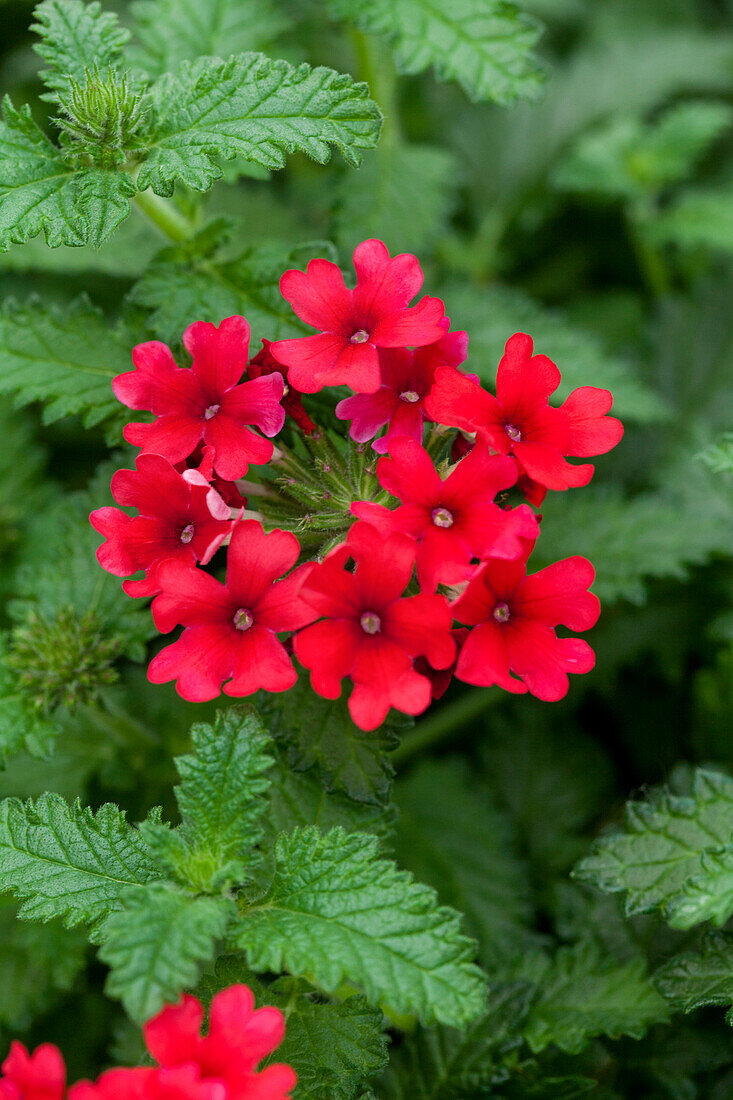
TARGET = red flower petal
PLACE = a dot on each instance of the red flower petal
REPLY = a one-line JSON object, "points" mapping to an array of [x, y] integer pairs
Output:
{"points": [[219, 353]]}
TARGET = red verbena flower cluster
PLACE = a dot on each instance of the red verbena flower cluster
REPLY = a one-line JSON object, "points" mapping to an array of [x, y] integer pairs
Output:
{"points": [[221, 1065], [418, 571]]}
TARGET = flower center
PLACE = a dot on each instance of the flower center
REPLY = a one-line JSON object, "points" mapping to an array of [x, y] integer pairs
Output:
{"points": [[370, 622], [513, 432], [243, 618], [410, 396], [441, 517], [501, 613], [211, 411], [360, 337], [187, 533]]}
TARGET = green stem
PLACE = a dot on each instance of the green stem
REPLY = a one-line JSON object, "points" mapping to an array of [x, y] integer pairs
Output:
{"points": [[651, 264], [445, 723], [376, 68], [173, 224]]}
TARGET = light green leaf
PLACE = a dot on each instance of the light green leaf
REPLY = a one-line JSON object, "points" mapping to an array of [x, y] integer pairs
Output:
{"points": [[41, 193], [701, 216], [698, 978], [65, 861], [76, 36], [719, 456], [254, 108], [65, 358], [486, 45], [171, 31], [668, 858], [445, 1064], [581, 995], [156, 944], [492, 314], [336, 912], [376, 203], [468, 857]]}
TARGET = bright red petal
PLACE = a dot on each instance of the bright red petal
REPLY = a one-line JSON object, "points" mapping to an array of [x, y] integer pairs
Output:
{"points": [[219, 354], [329, 650], [319, 296], [255, 560], [173, 437], [235, 446], [484, 659], [558, 594], [189, 596], [173, 1035], [523, 380], [200, 661], [545, 464], [591, 431], [261, 662]]}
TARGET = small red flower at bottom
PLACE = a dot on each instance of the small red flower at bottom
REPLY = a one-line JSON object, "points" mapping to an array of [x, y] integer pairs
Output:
{"points": [[239, 1037], [37, 1076], [231, 630], [371, 633], [513, 616]]}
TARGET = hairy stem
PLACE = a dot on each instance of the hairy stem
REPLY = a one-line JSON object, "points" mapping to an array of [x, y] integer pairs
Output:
{"points": [[445, 723], [164, 214]]}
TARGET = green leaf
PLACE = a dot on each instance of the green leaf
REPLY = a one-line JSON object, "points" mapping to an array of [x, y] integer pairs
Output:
{"points": [[336, 912], [719, 456], [701, 216], [156, 943], [319, 732], [445, 1064], [254, 108], [171, 31], [41, 193], [486, 45], [629, 159], [332, 1047], [37, 962], [65, 861], [65, 358], [581, 995], [698, 978], [75, 37], [468, 857], [376, 202], [22, 727], [492, 314], [178, 286], [673, 855]]}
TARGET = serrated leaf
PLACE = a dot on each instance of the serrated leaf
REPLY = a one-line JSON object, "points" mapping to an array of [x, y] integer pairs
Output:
{"points": [[178, 287], [377, 203], [445, 1064], [468, 857], [486, 45], [492, 314], [336, 912], [333, 1048], [65, 358], [156, 943], [66, 861], [76, 36], [698, 978], [221, 796], [319, 732], [580, 995], [668, 858], [629, 159], [254, 108], [41, 193], [171, 31]]}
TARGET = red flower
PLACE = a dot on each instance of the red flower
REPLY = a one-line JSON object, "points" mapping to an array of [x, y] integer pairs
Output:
{"points": [[181, 1083], [231, 630], [440, 678], [407, 378], [454, 520], [520, 419], [203, 402], [239, 1037], [202, 460], [514, 616], [354, 323], [37, 1076], [265, 363], [181, 517], [370, 633]]}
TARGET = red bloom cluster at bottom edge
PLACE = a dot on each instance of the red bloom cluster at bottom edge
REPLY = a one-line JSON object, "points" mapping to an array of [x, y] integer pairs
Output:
{"points": [[221, 1065]]}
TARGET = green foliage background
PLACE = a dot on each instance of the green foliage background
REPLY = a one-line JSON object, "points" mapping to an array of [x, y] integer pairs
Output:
{"points": [[565, 169]]}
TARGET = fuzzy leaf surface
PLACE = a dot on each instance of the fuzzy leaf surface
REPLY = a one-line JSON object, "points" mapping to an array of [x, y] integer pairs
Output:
{"points": [[486, 45], [156, 943], [74, 38], [254, 108], [171, 31], [65, 358], [66, 861], [337, 912], [41, 193], [698, 978], [673, 855], [581, 995]]}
